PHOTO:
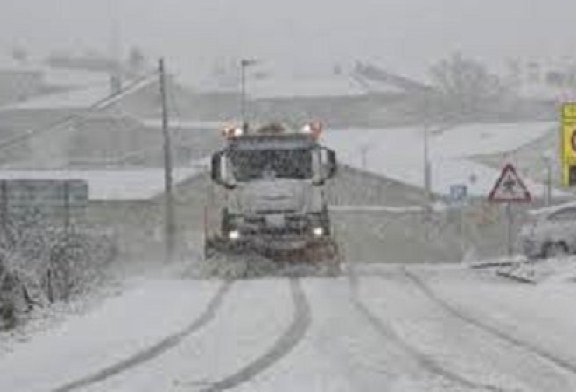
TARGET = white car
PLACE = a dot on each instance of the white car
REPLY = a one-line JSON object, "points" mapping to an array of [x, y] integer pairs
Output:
{"points": [[551, 233]]}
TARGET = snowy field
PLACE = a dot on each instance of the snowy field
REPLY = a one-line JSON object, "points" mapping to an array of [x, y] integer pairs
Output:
{"points": [[398, 153], [377, 328]]}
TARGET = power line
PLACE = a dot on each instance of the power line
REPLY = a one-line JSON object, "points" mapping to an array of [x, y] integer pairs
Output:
{"points": [[68, 120], [151, 150]]}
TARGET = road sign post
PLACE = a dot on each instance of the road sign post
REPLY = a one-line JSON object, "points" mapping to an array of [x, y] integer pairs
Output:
{"points": [[509, 189], [510, 226], [458, 195]]}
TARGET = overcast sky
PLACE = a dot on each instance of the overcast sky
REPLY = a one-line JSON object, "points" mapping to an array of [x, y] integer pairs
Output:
{"points": [[405, 35]]}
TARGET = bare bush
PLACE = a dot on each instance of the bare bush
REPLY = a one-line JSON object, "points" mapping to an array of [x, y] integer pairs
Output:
{"points": [[467, 89], [41, 264]]}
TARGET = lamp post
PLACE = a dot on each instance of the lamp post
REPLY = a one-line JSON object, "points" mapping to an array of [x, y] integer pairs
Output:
{"points": [[244, 63], [427, 168]]}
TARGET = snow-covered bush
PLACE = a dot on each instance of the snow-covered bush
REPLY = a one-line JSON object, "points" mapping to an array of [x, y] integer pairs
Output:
{"points": [[41, 263]]}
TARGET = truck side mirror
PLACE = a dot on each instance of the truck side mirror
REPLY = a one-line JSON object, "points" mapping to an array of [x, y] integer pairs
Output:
{"points": [[328, 166], [218, 171], [216, 168], [331, 165]]}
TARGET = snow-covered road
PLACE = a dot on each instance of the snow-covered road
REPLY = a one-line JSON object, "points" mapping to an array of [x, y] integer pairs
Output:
{"points": [[378, 328]]}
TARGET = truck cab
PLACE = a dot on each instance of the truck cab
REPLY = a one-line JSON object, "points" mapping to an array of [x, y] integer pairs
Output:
{"points": [[274, 184]]}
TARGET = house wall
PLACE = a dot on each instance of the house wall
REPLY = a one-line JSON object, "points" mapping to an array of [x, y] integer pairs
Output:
{"points": [[17, 86], [139, 225]]}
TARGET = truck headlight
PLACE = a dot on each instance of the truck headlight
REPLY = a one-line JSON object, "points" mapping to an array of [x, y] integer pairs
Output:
{"points": [[234, 235], [318, 231]]}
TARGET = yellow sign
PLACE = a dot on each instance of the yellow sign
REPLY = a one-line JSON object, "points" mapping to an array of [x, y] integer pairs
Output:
{"points": [[569, 110], [568, 147]]}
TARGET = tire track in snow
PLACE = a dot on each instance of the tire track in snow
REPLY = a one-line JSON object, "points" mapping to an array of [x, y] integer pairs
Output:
{"points": [[424, 360], [283, 346], [491, 329], [156, 350]]}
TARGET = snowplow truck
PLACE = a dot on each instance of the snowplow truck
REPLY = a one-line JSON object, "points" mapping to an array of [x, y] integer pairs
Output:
{"points": [[274, 218]]}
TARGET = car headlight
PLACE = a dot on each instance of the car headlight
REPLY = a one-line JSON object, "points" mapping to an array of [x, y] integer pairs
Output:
{"points": [[318, 231]]}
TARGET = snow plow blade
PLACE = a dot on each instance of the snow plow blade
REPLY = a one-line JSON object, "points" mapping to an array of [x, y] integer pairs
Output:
{"points": [[235, 260]]}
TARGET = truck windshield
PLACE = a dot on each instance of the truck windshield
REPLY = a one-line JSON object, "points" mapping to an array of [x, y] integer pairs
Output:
{"points": [[257, 164]]}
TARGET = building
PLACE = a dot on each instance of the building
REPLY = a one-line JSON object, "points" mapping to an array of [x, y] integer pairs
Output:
{"points": [[364, 95]]}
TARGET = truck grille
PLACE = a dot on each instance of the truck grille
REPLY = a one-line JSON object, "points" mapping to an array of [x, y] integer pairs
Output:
{"points": [[281, 231], [293, 224], [276, 212]]}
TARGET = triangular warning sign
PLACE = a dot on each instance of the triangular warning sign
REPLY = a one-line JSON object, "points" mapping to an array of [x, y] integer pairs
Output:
{"points": [[509, 188]]}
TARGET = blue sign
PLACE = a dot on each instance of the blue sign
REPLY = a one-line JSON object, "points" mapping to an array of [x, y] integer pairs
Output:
{"points": [[458, 193]]}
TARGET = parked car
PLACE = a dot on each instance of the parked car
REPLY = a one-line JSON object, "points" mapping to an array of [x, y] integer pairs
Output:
{"points": [[550, 233]]}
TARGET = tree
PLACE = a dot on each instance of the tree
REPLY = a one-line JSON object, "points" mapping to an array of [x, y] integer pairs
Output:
{"points": [[466, 89]]}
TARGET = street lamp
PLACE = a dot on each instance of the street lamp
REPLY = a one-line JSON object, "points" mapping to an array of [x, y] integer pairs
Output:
{"points": [[427, 168], [244, 63]]}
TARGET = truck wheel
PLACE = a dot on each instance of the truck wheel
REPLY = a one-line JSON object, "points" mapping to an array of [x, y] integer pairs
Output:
{"points": [[555, 250], [7, 315], [225, 226], [325, 222]]}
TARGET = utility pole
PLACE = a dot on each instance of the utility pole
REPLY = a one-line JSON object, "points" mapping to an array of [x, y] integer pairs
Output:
{"points": [[170, 226], [510, 229]]}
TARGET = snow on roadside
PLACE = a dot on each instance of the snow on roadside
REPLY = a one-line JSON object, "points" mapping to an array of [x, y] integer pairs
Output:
{"points": [[119, 328], [562, 270], [42, 319], [117, 278], [440, 338], [544, 271], [542, 315]]}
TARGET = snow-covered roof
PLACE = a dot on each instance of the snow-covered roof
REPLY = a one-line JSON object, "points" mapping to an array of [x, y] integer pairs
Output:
{"points": [[54, 76], [302, 86], [73, 77], [184, 124], [9, 63], [75, 99], [81, 98], [290, 88], [137, 184], [487, 139], [397, 153], [542, 91]]}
